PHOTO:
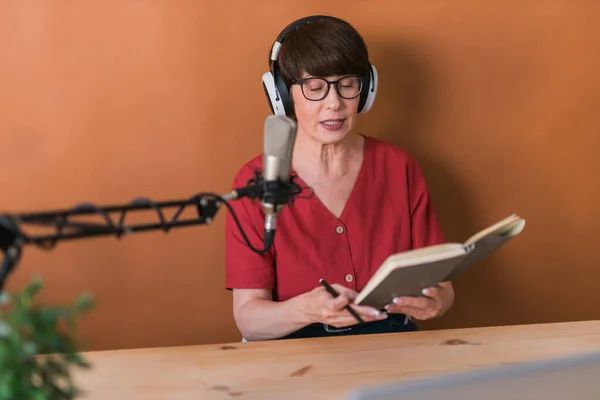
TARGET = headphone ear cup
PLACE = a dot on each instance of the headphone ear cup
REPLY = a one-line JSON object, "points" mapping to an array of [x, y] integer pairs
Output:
{"points": [[273, 98], [283, 92], [371, 93]]}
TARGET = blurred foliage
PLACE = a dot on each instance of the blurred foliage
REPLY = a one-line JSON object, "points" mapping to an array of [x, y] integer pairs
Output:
{"points": [[38, 346]]}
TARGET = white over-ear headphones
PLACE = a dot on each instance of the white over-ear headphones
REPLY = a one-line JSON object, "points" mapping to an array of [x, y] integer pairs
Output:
{"points": [[277, 92]]}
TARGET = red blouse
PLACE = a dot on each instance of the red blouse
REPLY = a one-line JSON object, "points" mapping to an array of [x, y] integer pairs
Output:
{"points": [[389, 210]]}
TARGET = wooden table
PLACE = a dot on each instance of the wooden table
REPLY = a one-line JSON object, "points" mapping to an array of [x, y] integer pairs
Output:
{"points": [[323, 368]]}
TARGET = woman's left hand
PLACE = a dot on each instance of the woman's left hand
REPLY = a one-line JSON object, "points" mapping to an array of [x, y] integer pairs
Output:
{"points": [[434, 303]]}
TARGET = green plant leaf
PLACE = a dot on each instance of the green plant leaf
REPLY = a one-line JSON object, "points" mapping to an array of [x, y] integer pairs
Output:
{"points": [[33, 288], [5, 299], [38, 346], [84, 302]]}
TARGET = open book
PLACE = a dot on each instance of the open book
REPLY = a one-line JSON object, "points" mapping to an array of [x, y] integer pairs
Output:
{"points": [[409, 272]]}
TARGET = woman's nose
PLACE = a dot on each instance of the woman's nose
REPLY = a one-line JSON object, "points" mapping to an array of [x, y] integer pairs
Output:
{"points": [[332, 100]]}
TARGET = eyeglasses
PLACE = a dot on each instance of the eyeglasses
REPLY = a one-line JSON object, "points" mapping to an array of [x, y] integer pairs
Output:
{"points": [[315, 89]]}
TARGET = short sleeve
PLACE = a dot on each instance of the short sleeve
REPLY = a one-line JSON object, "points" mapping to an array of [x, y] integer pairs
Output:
{"points": [[245, 269], [426, 228]]}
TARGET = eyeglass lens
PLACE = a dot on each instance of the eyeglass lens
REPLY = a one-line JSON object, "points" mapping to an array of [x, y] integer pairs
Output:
{"points": [[317, 88]]}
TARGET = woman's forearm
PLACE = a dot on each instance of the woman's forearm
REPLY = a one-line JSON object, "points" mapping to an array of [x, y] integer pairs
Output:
{"points": [[261, 319]]}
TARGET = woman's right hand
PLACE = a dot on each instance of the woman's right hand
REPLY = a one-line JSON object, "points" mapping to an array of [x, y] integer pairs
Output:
{"points": [[320, 306]]}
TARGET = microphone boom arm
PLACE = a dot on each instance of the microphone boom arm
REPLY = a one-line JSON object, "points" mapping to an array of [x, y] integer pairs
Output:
{"points": [[64, 226], [12, 238], [66, 229]]}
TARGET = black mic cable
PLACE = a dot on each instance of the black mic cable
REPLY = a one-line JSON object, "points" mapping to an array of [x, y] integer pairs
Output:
{"points": [[12, 238]]}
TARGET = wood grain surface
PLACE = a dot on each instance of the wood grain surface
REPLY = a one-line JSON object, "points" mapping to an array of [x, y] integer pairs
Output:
{"points": [[323, 368]]}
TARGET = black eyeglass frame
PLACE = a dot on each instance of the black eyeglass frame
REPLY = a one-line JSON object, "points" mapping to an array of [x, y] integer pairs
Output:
{"points": [[329, 83]]}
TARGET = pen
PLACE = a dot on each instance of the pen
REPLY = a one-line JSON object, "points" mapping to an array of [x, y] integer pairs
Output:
{"points": [[334, 293]]}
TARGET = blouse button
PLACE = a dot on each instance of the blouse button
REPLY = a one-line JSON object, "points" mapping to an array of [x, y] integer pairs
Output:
{"points": [[349, 278], [339, 229]]}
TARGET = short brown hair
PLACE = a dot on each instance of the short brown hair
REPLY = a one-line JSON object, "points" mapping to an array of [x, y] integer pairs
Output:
{"points": [[323, 47]]}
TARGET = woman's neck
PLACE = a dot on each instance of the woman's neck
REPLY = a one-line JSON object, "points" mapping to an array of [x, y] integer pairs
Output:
{"points": [[331, 161]]}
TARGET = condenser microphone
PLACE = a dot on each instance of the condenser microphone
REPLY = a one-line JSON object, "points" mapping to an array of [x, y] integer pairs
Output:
{"points": [[279, 138]]}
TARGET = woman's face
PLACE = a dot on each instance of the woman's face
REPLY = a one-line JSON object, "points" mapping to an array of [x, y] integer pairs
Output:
{"points": [[331, 118]]}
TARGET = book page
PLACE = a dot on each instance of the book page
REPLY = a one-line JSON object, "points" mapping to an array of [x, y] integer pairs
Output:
{"points": [[509, 226]]}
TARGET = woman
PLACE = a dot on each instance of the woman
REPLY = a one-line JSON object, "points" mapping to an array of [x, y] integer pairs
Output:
{"points": [[370, 201]]}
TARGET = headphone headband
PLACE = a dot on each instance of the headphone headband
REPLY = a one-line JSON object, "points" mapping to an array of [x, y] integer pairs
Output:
{"points": [[293, 27]]}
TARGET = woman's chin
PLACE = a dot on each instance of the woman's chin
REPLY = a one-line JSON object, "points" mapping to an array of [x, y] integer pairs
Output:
{"points": [[328, 136]]}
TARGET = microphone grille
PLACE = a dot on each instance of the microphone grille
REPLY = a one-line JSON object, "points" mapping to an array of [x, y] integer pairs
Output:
{"points": [[280, 134]]}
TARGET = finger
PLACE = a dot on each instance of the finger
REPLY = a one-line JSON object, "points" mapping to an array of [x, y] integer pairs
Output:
{"points": [[416, 302], [336, 303], [432, 291], [341, 322], [413, 312], [367, 311], [396, 309], [393, 308], [364, 312], [345, 319], [344, 290]]}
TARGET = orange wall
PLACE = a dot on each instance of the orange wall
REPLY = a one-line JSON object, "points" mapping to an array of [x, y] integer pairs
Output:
{"points": [[109, 100]]}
